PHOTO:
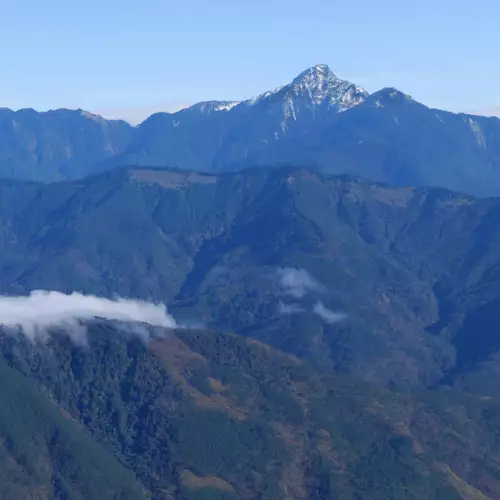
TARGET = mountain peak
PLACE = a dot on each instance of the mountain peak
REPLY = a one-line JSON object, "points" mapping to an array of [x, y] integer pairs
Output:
{"points": [[315, 75], [321, 85], [317, 86], [316, 81]]}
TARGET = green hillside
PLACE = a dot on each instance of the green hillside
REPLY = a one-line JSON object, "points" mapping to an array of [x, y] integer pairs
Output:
{"points": [[200, 414], [46, 454], [412, 269], [363, 361]]}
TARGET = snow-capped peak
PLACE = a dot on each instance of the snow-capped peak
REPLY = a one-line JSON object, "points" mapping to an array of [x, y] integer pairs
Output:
{"points": [[317, 85], [314, 77], [320, 85]]}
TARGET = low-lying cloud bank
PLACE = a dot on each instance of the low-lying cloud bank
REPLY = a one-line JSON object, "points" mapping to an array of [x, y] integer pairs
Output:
{"points": [[36, 314]]}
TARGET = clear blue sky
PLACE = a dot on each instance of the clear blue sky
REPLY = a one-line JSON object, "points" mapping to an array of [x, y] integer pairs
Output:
{"points": [[133, 56]]}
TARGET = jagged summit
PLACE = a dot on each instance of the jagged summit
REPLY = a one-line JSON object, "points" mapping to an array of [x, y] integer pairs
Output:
{"points": [[321, 85], [316, 82], [315, 76], [317, 85]]}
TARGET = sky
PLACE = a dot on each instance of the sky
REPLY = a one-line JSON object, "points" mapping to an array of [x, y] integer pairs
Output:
{"points": [[129, 58]]}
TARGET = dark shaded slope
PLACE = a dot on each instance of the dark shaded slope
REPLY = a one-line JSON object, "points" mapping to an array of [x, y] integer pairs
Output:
{"points": [[45, 454]]}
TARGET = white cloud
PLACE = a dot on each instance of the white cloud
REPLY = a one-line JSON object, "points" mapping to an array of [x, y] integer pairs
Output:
{"points": [[297, 282], [41, 311], [328, 315], [291, 308]]}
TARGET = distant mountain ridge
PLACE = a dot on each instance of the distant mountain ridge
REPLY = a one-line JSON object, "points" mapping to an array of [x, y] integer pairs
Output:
{"points": [[56, 145], [318, 120]]}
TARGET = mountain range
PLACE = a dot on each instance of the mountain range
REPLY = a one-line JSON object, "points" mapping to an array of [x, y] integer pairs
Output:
{"points": [[271, 254], [338, 338], [318, 120], [330, 257]]}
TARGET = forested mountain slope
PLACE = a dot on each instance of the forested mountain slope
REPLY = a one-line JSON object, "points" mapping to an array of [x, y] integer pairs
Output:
{"points": [[270, 253], [202, 415]]}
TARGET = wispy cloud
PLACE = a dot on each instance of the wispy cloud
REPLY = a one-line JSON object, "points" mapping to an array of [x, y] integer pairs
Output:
{"points": [[36, 314], [328, 315], [297, 282], [290, 308]]}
